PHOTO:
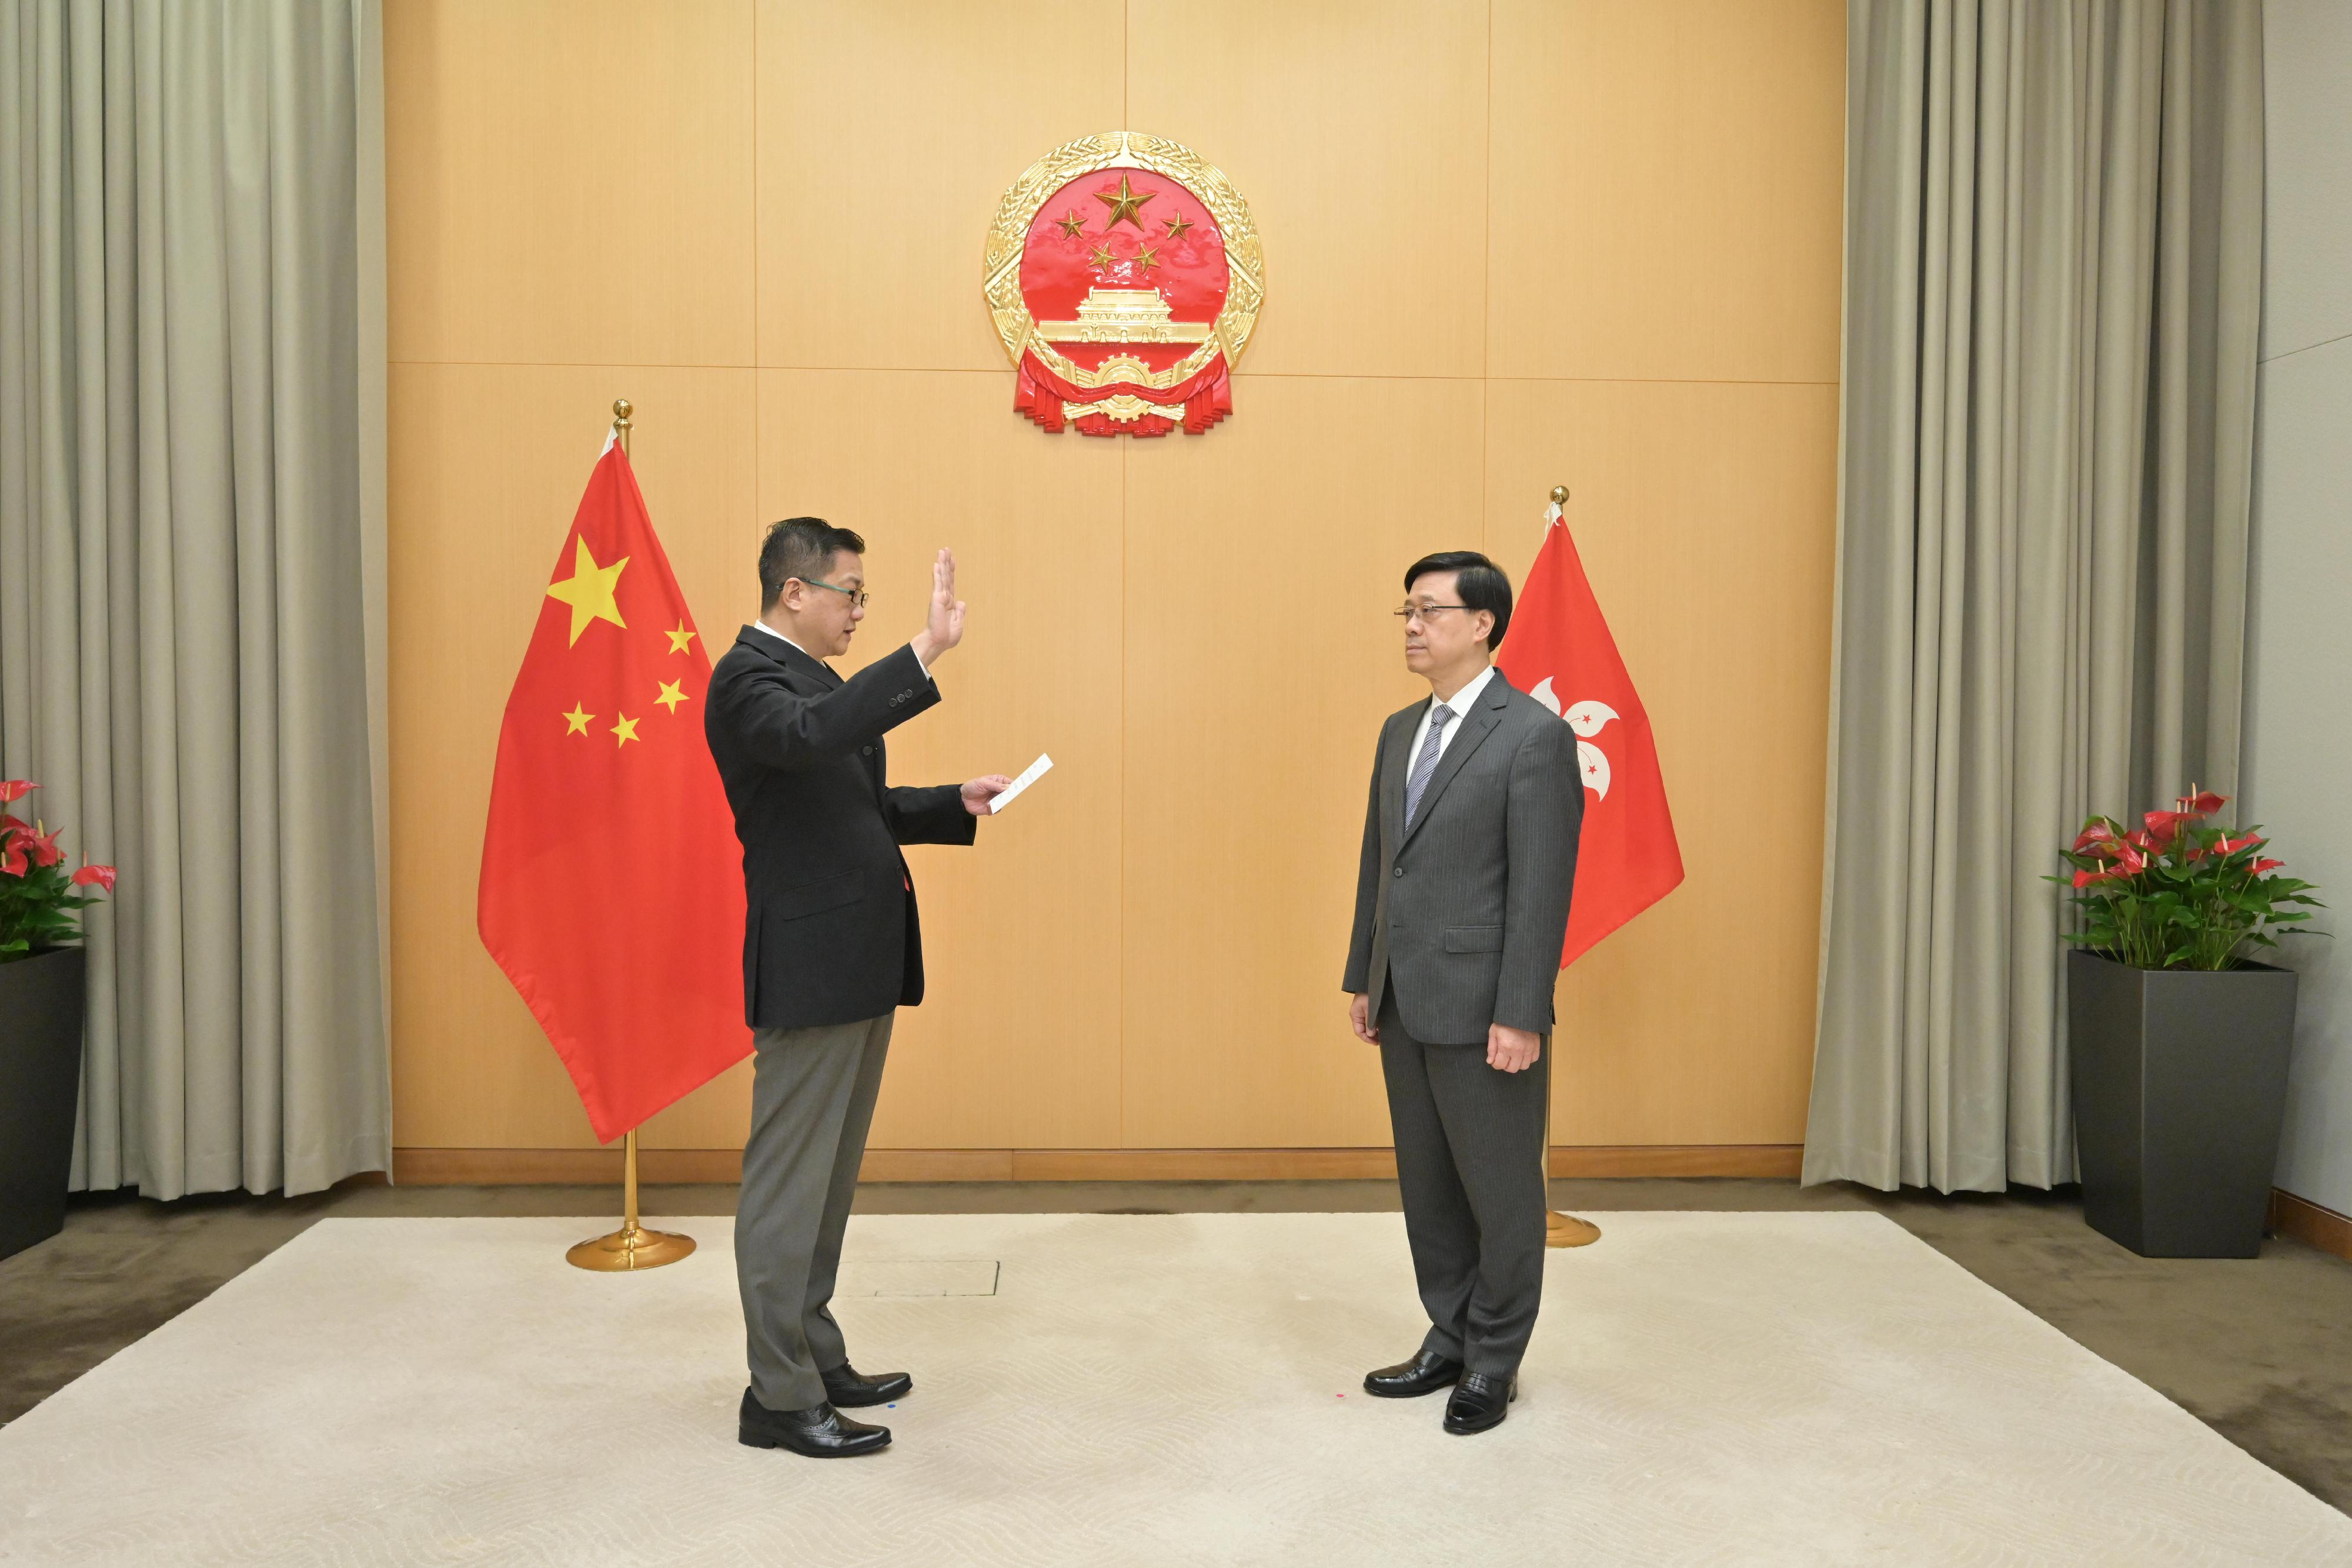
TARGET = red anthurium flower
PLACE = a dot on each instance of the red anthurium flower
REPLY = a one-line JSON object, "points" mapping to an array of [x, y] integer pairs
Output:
{"points": [[12, 859], [2232, 846], [2163, 827], [16, 789], [2202, 804], [2099, 839], [42, 847], [2262, 866], [100, 876], [2141, 840]]}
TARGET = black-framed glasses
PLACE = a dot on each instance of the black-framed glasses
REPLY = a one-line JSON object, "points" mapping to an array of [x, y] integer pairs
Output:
{"points": [[1409, 612], [856, 596]]}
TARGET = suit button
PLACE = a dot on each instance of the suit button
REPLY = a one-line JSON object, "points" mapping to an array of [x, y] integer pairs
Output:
{"points": [[1400, 871], [869, 751]]}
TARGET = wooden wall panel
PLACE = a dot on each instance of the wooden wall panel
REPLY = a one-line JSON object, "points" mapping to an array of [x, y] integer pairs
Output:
{"points": [[1704, 516], [488, 462], [1668, 187], [1356, 131], [1261, 659], [1018, 1042], [889, 132], [567, 182], [1144, 954]]}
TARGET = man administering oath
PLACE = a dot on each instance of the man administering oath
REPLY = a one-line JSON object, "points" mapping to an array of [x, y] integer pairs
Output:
{"points": [[1461, 907], [831, 950]]}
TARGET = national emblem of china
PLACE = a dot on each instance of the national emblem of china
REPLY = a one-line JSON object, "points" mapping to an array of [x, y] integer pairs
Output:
{"points": [[1124, 276]]}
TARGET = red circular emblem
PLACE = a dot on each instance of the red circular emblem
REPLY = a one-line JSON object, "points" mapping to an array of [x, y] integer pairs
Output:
{"points": [[1124, 276]]}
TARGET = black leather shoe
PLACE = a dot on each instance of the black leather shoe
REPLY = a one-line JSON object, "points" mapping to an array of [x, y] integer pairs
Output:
{"points": [[1480, 1400], [846, 1387], [821, 1432], [1426, 1373]]}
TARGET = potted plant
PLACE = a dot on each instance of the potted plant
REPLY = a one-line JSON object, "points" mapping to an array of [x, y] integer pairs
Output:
{"points": [[41, 1002], [2179, 1038]]}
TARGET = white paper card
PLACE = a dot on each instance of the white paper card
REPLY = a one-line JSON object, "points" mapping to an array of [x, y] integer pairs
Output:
{"points": [[1029, 775]]}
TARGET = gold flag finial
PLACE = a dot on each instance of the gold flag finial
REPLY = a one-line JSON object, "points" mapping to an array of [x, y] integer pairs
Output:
{"points": [[1560, 495], [621, 409]]}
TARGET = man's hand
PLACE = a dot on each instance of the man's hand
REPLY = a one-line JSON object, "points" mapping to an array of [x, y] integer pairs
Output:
{"points": [[1512, 1049], [943, 627], [1359, 1018], [978, 793]]}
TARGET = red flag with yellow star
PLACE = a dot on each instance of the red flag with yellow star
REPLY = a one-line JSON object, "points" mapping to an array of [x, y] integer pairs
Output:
{"points": [[612, 885]]}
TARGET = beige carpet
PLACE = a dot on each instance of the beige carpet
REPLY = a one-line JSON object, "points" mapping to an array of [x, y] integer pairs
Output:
{"points": [[1105, 1391]]}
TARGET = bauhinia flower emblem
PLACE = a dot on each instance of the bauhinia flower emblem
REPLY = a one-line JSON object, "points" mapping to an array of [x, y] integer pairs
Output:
{"points": [[1586, 718]]}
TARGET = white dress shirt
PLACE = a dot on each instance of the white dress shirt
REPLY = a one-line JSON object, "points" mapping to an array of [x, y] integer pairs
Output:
{"points": [[778, 637], [1459, 705]]}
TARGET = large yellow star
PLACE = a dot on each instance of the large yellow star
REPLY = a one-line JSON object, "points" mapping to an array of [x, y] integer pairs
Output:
{"points": [[679, 638], [589, 590], [626, 729], [1124, 206], [577, 720], [670, 696]]}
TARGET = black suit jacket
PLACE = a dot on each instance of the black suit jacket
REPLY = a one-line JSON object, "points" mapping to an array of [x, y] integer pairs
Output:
{"points": [[830, 931]]}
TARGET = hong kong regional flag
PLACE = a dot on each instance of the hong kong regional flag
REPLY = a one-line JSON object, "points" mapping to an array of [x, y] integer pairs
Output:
{"points": [[1558, 651], [612, 886]]}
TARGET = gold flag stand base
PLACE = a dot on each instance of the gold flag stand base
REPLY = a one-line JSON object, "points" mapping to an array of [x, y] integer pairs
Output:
{"points": [[1567, 1231], [632, 1247]]}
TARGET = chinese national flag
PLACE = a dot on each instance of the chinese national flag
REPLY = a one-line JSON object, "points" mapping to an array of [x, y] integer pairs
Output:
{"points": [[1558, 651], [612, 886]]}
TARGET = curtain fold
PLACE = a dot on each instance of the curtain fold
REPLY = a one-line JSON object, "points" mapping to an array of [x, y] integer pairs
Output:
{"points": [[2052, 291], [191, 551]]}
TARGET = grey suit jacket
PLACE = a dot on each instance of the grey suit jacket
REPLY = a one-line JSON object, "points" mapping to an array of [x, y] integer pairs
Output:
{"points": [[1465, 912]]}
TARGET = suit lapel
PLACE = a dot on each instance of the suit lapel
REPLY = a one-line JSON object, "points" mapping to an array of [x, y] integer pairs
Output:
{"points": [[1394, 763], [1477, 726]]}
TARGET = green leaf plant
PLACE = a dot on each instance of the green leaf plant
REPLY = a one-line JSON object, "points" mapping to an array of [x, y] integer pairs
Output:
{"points": [[38, 896], [2179, 892]]}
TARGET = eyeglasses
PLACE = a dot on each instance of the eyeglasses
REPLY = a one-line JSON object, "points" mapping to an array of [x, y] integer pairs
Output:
{"points": [[1422, 612], [856, 596]]}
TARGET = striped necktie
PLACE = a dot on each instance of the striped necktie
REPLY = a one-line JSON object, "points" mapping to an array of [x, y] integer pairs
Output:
{"points": [[1426, 763]]}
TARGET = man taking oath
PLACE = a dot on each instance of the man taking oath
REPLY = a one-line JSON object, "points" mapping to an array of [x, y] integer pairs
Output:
{"points": [[1460, 908], [831, 950]]}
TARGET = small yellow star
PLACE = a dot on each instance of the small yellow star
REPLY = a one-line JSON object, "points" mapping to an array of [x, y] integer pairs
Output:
{"points": [[626, 729], [589, 590], [577, 720], [1176, 226], [670, 696], [1146, 257], [1071, 224], [1102, 258], [1124, 206], [679, 638]]}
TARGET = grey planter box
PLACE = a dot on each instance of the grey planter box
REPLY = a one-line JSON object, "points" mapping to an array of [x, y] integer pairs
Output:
{"points": [[2179, 1094], [40, 1082]]}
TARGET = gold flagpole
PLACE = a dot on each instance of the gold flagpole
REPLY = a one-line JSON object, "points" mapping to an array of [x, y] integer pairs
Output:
{"points": [[631, 1247], [1560, 1230]]}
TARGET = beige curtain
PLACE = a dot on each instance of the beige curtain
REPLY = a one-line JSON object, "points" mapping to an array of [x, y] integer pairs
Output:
{"points": [[192, 563], [2053, 233]]}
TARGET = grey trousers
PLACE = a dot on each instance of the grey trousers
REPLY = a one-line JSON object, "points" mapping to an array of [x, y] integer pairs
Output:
{"points": [[1470, 1163], [813, 1093]]}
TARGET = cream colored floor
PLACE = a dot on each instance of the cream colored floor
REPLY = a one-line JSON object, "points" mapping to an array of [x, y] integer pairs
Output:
{"points": [[1704, 1387]]}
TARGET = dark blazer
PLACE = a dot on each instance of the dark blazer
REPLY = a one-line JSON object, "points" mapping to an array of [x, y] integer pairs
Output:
{"points": [[1465, 911], [830, 931]]}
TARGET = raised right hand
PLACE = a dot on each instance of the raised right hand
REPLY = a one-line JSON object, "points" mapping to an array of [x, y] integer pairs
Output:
{"points": [[943, 625]]}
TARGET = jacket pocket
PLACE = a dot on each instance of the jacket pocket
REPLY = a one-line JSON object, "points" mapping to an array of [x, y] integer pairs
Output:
{"points": [[806, 898], [1474, 938]]}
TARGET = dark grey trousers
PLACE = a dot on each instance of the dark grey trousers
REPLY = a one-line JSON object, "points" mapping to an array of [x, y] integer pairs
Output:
{"points": [[1470, 1161], [813, 1093]]}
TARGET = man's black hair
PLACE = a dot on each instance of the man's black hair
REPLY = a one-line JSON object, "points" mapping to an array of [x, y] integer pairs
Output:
{"points": [[802, 547], [1477, 582]]}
